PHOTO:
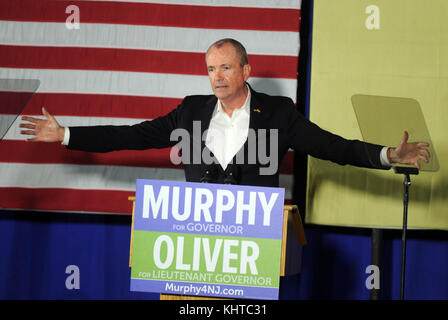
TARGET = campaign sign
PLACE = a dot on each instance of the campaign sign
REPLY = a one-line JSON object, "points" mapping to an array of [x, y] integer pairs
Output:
{"points": [[207, 239]]}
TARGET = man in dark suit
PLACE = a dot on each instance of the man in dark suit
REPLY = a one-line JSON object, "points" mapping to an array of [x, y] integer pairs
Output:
{"points": [[230, 122]]}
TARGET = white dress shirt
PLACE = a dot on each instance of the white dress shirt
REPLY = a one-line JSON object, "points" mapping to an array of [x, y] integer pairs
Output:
{"points": [[227, 135]]}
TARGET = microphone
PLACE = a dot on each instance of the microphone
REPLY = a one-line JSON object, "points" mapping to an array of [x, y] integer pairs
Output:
{"points": [[210, 174], [232, 174]]}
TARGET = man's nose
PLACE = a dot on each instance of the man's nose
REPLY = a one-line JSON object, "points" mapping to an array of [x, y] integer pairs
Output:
{"points": [[218, 75]]}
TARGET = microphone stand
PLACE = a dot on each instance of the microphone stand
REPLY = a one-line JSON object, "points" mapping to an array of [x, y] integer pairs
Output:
{"points": [[406, 171], [232, 174], [210, 174]]}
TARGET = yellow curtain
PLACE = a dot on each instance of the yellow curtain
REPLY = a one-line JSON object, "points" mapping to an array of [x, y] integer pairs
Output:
{"points": [[396, 48]]}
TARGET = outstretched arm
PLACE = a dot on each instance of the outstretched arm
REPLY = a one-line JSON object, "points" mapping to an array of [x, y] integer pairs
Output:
{"points": [[43, 130], [145, 135], [409, 153]]}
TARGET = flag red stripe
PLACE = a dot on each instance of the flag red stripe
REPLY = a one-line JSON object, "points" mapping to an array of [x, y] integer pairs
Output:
{"points": [[38, 153], [134, 61], [54, 153], [100, 105], [168, 15], [59, 199], [13, 102], [96, 105]]}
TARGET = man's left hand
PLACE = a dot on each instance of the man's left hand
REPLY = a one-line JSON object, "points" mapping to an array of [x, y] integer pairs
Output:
{"points": [[409, 153]]}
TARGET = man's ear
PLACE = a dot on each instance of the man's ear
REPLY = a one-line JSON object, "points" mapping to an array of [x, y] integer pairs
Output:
{"points": [[246, 71]]}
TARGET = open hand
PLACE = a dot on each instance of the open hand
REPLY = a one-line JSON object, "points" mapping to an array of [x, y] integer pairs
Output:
{"points": [[409, 153], [43, 130]]}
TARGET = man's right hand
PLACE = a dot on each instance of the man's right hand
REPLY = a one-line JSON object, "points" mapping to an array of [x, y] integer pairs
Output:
{"points": [[43, 130]]}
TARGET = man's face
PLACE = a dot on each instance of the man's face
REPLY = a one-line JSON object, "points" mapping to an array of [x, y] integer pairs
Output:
{"points": [[227, 77]]}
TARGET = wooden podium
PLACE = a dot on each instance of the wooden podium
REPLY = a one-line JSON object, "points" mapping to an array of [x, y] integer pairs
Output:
{"points": [[293, 238]]}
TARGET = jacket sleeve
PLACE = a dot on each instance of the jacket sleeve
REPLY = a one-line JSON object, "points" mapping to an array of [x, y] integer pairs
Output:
{"points": [[307, 137], [145, 135]]}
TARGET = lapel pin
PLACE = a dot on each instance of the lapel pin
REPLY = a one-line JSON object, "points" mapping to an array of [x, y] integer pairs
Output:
{"points": [[257, 110]]}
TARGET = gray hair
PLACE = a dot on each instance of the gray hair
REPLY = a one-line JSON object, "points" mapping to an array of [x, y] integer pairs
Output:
{"points": [[240, 50]]}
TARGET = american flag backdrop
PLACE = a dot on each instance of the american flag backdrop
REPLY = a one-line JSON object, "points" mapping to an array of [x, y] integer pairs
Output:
{"points": [[129, 61]]}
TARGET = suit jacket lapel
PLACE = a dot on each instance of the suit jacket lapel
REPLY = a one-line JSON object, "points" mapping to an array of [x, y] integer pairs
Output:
{"points": [[205, 115], [259, 116]]}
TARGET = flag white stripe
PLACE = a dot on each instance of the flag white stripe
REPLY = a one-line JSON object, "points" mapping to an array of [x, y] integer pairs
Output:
{"points": [[136, 83], [91, 177], [276, 4], [5, 124], [81, 176], [145, 37]]}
